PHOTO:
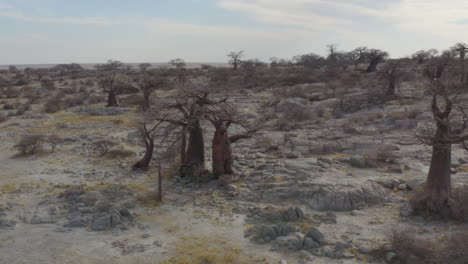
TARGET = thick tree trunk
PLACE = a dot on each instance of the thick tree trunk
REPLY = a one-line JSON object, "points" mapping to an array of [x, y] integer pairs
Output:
{"points": [[159, 195], [435, 197], [183, 146], [145, 161], [438, 183], [146, 100], [221, 151], [391, 87], [112, 100], [195, 155], [372, 66]]}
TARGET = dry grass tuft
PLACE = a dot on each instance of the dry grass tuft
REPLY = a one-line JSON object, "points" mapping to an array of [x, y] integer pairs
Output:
{"points": [[205, 250]]}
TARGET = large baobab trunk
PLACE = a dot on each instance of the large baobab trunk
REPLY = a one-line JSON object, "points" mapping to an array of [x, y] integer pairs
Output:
{"points": [[221, 151], [373, 65], [195, 155], [183, 145], [438, 183], [145, 161], [146, 100], [435, 196], [112, 100], [391, 87]]}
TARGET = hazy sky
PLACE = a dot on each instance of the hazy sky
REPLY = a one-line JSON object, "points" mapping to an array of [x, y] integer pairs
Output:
{"points": [[63, 31]]}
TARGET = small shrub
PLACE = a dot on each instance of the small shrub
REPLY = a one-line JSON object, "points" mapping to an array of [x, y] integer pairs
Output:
{"points": [[459, 204], [3, 118], [29, 144], [53, 106], [103, 146], [54, 141]]}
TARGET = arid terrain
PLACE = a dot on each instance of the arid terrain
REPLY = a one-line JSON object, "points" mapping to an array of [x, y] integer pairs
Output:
{"points": [[324, 175]]}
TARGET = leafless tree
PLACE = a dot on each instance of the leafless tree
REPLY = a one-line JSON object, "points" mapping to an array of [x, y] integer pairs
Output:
{"points": [[235, 58], [358, 55], [450, 128], [186, 113], [148, 82], [374, 57], [311, 60], [392, 72], [332, 49], [222, 116], [148, 133], [461, 49], [424, 55], [111, 77]]}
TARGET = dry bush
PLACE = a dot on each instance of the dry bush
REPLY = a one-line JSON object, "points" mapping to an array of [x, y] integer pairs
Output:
{"points": [[102, 146], [459, 203], [29, 144], [120, 153], [384, 153], [455, 250], [148, 198], [21, 109], [53, 141], [74, 101], [410, 249], [3, 118], [53, 105]]}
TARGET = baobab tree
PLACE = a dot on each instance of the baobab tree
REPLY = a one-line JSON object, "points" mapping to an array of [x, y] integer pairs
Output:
{"points": [[222, 118], [358, 55], [422, 56], [332, 49], [310, 60], [111, 77], [450, 128], [235, 58], [148, 82], [186, 113], [460, 49], [392, 72], [375, 56]]}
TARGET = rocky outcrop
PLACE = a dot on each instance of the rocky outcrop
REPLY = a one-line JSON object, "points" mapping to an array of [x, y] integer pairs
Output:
{"points": [[325, 197]]}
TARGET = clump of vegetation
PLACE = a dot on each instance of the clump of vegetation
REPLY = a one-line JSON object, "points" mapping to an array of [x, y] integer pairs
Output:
{"points": [[410, 249], [54, 141], [204, 250], [30, 144], [102, 146]]}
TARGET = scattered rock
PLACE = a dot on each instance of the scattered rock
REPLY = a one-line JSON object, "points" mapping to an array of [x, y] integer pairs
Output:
{"points": [[101, 223], [406, 210], [390, 257], [364, 250], [316, 235], [309, 243], [357, 161], [290, 242], [325, 160], [414, 184]]}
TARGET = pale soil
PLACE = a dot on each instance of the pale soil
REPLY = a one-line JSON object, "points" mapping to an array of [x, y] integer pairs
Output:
{"points": [[186, 214]]}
